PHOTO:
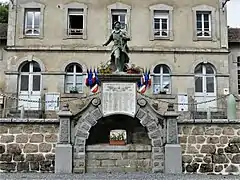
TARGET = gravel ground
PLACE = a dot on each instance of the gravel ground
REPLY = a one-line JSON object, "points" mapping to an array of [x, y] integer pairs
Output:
{"points": [[106, 176]]}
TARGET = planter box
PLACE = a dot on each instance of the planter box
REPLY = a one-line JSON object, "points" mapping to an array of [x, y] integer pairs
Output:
{"points": [[117, 142]]}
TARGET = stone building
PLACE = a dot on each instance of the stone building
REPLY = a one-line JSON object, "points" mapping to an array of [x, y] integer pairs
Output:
{"points": [[3, 43], [41, 51], [183, 43]]}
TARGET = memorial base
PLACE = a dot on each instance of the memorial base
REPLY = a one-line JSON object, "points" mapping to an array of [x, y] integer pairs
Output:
{"points": [[63, 158], [173, 159]]}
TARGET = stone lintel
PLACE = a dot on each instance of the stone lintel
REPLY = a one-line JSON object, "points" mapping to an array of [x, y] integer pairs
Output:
{"points": [[171, 114], [173, 159], [64, 114], [63, 158]]}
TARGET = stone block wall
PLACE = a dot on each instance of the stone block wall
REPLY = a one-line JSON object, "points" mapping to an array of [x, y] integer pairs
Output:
{"points": [[27, 147], [119, 161], [210, 148]]}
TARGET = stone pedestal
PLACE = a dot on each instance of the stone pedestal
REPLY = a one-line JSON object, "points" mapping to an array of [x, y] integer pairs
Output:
{"points": [[173, 152], [63, 152], [63, 158], [173, 159]]}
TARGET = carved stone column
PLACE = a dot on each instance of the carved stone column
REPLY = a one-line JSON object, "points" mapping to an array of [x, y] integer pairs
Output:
{"points": [[63, 152], [173, 152]]}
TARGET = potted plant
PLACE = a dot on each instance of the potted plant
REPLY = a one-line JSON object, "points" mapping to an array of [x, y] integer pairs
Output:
{"points": [[74, 90], [118, 138]]}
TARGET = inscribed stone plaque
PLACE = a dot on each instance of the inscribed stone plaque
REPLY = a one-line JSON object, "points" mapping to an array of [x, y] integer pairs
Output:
{"points": [[119, 98]]}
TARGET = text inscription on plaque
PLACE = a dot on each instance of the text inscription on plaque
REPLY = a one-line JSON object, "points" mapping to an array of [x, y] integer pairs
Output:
{"points": [[119, 98]]}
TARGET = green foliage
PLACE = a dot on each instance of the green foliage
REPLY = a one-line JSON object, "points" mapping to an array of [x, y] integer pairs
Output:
{"points": [[3, 12]]}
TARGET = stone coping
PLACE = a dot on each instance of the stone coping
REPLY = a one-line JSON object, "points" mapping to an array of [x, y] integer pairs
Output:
{"points": [[209, 121], [26, 120], [103, 49], [111, 148]]}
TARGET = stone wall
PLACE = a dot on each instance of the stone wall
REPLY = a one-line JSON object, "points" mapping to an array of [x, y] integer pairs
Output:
{"points": [[27, 147], [210, 148], [130, 158]]}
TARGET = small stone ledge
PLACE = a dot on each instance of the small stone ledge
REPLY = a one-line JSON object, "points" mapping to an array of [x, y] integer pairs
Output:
{"points": [[19, 120], [111, 148], [209, 121]]}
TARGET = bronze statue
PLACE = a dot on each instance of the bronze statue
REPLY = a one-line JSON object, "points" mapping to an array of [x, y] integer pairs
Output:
{"points": [[119, 54]]}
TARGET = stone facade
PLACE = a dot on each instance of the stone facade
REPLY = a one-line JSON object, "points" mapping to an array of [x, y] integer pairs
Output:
{"points": [[210, 148], [27, 147], [145, 51], [130, 158]]}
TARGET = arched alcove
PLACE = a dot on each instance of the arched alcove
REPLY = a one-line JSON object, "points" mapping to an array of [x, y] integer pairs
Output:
{"points": [[136, 133]]}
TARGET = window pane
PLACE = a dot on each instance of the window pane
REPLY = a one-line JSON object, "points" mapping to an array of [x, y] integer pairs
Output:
{"points": [[165, 69], [25, 68], [114, 19], [24, 83], [157, 80], [238, 61], [36, 19], [199, 26], [156, 89], [157, 69], [166, 83], [198, 84], [79, 87], [78, 69], [29, 19], [199, 17], [36, 82], [79, 79], [210, 84], [206, 25], [156, 23], [36, 67], [198, 69], [206, 17], [209, 69], [68, 87], [69, 79], [70, 68]]}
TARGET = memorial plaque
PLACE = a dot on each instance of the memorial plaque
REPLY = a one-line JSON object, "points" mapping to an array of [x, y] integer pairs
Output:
{"points": [[119, 98]]}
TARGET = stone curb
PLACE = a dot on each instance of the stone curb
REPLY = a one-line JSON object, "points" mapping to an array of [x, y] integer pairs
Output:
{"points": [[209, 121], [19, 120]]}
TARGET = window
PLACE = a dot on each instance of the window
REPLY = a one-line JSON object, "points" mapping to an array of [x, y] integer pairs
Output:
{"points": [[31, 18], [32, 22], [204, 23], [161, 79], [203, 20], [119, 15], [238, 73], [119, 12], [161, 24], [204, 78], [75, 22], [74, 79]]}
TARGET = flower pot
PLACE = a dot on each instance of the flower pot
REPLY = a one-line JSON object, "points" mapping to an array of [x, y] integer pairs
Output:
{"points": [[117, 142]]}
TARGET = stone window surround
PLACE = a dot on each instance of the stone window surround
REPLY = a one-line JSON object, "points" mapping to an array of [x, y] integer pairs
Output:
{"points": [[75, 5], [212, 11], [119, 6], [161, 7], [31, 5]]}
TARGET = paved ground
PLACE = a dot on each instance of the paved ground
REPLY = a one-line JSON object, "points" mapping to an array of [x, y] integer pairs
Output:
{"points": [[105, 176]]}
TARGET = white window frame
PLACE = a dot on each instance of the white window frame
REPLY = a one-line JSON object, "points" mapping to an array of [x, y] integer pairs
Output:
{"points": [[213, 25], [22, 18], [161, 75], [33, 28], [164, 9], [74, 74], [78, 12], [161, 15], [204, 76], [115, 7], [203, 24], [118, 13], [78, 7]]}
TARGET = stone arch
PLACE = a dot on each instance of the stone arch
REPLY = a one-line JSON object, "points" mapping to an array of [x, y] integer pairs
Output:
{"points": [[28, 58], [199, 61], [66, 63], [148, 118]]}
